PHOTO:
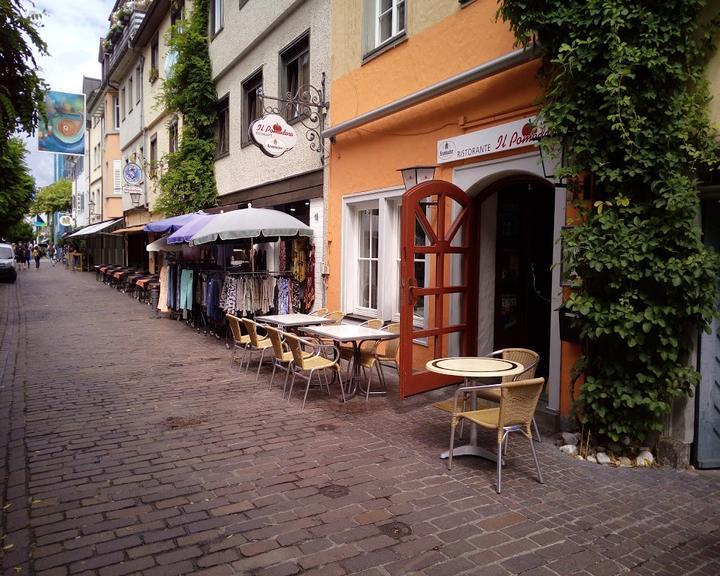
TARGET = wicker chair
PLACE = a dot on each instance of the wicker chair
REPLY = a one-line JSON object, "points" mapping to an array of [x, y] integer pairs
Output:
{"points": [[319, 312], [347, 350], [518, 401], [302, 363], [387, 352], [283, 356], [336, 316], [256, 343], [240, 340], [528, 358]]}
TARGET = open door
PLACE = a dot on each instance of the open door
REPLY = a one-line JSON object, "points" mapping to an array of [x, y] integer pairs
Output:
{"points": [[438, 288]]}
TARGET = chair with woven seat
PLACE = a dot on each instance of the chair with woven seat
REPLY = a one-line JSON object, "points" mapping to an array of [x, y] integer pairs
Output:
{"points": [[518, 400], [312, 363], [528, 358], [335, 316], [240, 340], [319, 312], [283, 356], [347, 351], [257, 343], [387, 351]]}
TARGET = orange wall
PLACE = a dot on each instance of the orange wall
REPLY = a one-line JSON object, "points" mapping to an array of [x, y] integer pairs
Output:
{"points": [[368, 157], [112, 207]]}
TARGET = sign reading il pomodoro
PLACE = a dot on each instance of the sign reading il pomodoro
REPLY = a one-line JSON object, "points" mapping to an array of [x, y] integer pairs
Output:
{"points": [[499, 138], [273, 135]]}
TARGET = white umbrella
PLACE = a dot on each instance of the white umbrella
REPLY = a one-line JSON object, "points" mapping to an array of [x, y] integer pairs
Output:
{"points": [[161, 245], [259, 223]]}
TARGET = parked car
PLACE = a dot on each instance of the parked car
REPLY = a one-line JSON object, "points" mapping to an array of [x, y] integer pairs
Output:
{"points": [[7, 263]]}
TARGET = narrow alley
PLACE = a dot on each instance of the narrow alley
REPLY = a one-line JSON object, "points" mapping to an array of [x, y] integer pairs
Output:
{"points": [[130, 445]]}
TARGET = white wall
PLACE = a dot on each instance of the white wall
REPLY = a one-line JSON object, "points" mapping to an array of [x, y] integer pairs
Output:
{"points": [[243, 29]]}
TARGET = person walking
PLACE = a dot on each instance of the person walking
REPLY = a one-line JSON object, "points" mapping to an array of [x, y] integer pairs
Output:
{"points": [[28, 255], [20, 256], [51, 254], [36, 257]]}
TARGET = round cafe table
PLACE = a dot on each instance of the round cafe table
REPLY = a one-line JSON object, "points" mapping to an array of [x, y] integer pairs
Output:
{"points": [[471, 367]]}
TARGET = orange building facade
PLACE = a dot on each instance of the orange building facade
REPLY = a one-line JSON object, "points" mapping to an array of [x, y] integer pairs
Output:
{"points": [[394, 104]]}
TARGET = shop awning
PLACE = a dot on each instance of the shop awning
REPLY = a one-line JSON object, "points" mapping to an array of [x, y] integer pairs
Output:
{"points": [[95, 228], [130, 229], [161, 245], [261, 224], [170, 224], [183, 235]]}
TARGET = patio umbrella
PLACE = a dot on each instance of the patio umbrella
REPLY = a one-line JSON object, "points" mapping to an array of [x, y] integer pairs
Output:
{"points": [[257, 223], [182, 235], [170, 224], [161, 244]]}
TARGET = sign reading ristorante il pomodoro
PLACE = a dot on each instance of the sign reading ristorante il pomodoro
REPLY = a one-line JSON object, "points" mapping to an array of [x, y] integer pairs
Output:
{"points": [[273, 135], [508, 136]]}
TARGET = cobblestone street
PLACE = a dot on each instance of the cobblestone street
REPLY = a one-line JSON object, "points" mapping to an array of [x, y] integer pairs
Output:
{"points": [[130, 445]]}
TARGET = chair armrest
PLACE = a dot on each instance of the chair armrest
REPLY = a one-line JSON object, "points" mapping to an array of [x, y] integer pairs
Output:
{"points": [[462, 390], [335, 351]]}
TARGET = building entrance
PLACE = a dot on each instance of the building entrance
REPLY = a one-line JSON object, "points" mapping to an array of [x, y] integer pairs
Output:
{"points": [[523, 257]]}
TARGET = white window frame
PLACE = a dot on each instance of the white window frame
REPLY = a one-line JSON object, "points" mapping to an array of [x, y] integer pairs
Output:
{"points": [[395, 29], [387, 202], [116, 111]]}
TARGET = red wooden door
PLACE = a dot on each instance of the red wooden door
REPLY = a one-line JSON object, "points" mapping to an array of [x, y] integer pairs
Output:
{"points": [[438, 288]]}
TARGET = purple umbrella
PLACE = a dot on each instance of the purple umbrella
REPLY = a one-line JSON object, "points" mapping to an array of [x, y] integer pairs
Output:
{"points": [[171, 224], [182, 235]]}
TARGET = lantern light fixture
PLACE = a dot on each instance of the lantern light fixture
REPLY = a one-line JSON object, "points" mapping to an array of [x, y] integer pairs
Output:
{"points": [[414, 175]]}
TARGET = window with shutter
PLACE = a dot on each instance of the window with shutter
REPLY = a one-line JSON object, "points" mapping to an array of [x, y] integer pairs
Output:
{"points": [[117, 177]]}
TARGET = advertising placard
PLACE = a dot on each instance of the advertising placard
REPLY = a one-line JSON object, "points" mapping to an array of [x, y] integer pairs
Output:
{"points": [[273, 135], [64, 131]]}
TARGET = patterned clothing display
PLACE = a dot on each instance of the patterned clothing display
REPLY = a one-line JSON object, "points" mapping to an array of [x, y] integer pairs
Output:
{"points": [[164, 284], [248, 294]]}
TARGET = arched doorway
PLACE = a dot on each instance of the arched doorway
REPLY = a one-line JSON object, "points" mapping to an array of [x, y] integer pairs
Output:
{"points": [[515, 239]]}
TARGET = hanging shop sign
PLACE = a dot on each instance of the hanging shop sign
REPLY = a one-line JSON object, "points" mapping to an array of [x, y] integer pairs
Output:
{"points": [[66, 220], [132, 174], [499, 138], [273, 135]]}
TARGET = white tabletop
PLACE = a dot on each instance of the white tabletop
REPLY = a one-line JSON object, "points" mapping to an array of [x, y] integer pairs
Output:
{"points": [[350, 332], [475, 367], [293, 319]]}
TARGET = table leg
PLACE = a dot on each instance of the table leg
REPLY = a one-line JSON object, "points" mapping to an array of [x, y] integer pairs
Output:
{"points": [[471, 449]]}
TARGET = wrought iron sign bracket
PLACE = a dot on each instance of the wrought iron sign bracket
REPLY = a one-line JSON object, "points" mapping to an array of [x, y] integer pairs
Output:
{"points": [[307, 106]]}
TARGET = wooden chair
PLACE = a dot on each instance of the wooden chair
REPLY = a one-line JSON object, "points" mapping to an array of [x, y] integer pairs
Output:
{"points": [[518, 401], [256, 343], [319, 312], [240, 340], [310, 364]]}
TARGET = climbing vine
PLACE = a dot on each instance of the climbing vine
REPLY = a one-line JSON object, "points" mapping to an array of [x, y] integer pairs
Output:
{"points": [[188, 182], [624, 92]]}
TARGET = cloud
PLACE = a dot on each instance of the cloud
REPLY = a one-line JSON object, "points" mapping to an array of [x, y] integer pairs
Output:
{"points": [[72, 30]]}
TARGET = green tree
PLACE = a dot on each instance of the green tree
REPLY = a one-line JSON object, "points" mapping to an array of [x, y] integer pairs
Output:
{"points": [[22, 90], [188, 183], [20, 232], [57, 197], [625, 93], [16, 185]]}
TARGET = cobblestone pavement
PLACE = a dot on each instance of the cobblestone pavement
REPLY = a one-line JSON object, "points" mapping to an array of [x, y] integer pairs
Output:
{"points": [[129, 445]]}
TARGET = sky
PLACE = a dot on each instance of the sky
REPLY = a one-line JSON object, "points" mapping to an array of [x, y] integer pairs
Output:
{"points": [[72, 30]]}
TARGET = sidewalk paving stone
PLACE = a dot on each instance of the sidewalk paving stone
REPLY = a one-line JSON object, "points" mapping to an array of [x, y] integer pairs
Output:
{"points": [[130, 445]]}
